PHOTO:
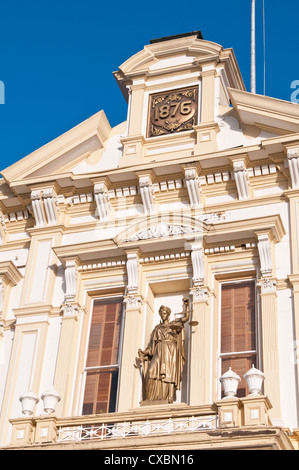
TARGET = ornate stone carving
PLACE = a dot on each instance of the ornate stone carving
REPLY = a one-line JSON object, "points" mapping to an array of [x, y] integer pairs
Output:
{"points": [[132, 272], [264, 248], [293, 160], [50, 206], [193, 187], [241, 178], [267, 285], [160, 231], [197, 259], [147, 193], [173, 111], [70, 280], [101, 196], [37, 208], [70, 310]]}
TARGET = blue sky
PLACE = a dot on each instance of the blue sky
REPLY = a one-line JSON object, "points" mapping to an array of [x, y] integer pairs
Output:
{"points": [[57, 58]]}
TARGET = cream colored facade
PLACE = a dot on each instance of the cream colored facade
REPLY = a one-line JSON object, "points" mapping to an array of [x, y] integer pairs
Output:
{"points": [[105, 212]]}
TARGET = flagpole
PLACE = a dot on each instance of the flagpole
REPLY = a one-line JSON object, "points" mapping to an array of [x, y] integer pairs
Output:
{"points": [[253, 53]]}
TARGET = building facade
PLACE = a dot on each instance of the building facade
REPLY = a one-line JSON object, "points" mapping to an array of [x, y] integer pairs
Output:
{"points": [[194, 197]]}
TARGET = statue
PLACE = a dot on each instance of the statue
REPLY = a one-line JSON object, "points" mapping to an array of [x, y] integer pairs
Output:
{"points": [[163, 359]]}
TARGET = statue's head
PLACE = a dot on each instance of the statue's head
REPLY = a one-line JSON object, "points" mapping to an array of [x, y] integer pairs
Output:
{"points": [[164, 312]]}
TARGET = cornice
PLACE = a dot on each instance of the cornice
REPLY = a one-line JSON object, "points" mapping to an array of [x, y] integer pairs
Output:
{"points": [[247, 228], [37, 310], [96, 126], [9, 270], [259, 109], [207, 161]]}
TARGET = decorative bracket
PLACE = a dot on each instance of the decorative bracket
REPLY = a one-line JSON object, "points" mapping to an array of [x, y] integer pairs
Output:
{"points": [[200, 294], [50, 205], [265, 254], [133, 302], [102, 200], [193, 187], [44, 209], [37, 207], [197, 258], [293, 160], [147, 193], [71, 271], [267, 285], [241, 178], [70, 310], [132, 272]]}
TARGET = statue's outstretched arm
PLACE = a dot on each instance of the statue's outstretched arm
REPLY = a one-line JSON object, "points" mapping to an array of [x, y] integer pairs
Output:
{"points": [[186, 310]]}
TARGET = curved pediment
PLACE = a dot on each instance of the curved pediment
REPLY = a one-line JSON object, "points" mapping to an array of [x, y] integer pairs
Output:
{"points": [[166, 52]]}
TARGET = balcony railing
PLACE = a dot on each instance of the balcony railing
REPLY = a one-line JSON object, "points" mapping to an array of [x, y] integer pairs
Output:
{"points": [[169, 425], [136, 429]]}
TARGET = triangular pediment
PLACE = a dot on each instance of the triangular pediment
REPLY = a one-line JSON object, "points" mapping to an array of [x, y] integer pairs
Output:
{"points": [[273, 115], [60, 156]]}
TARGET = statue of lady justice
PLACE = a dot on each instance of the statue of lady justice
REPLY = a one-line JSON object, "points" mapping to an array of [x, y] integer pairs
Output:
{"points": [[164, 358]]}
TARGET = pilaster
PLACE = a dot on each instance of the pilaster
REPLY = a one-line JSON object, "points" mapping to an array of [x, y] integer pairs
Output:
{"points": [[270, 349], [69, 337], [66, 355], [200, 348], [129, 373]]}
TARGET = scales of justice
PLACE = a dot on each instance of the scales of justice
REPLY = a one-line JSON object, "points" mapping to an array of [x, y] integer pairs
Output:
{"points": [[163, 359]]}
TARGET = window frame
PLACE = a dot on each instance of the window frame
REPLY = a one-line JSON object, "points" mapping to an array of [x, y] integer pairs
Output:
{"points": [[116, 366], [237, 354]]}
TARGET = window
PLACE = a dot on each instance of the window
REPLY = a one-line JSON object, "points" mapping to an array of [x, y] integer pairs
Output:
{"points": [[102, 365], [238, 330]]}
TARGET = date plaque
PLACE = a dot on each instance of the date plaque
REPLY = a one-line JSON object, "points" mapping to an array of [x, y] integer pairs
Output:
{"points": [[172, 111]]}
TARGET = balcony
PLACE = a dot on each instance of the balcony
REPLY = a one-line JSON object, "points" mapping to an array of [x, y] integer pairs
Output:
{"points": [[229, 423]]}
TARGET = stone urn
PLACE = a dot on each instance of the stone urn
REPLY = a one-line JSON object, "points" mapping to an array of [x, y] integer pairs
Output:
{"points": [[254, 379], [28, 401], [230, 381]]}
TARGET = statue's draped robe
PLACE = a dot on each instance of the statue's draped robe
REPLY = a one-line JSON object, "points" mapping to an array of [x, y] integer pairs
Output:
{"points": [[167, 358]]}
